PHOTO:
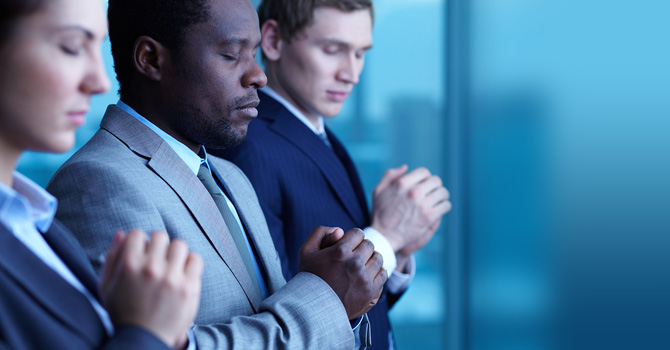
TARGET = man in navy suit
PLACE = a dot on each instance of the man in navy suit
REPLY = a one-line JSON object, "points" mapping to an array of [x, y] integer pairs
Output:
{"points": [[303, 175]]}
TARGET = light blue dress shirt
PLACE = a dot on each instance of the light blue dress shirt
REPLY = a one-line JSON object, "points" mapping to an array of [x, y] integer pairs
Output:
{"points": [[26, 209], [193, 162]]}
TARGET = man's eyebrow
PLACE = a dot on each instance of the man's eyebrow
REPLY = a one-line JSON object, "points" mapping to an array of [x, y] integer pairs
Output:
{"points": [[331, 41], [239, 42], [235, 40]]}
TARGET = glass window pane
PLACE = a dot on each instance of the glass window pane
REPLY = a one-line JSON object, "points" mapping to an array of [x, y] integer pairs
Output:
{"points": [[397, 116]]}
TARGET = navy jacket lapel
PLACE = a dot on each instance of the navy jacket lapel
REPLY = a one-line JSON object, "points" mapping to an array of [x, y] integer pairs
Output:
{"points": [[47, 287], [293, 130], [342, 153], [67, 248]]}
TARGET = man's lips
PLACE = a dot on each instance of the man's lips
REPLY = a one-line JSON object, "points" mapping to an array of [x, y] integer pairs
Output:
{"points": [[249, 109], [338, 96]]}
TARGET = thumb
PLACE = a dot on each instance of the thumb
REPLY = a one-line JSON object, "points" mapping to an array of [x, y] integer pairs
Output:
{"points": [[389, 176], [332, 238], [315, 239]]}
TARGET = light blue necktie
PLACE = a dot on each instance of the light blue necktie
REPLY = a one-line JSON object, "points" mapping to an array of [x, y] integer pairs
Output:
{"points": [[205, 176]]}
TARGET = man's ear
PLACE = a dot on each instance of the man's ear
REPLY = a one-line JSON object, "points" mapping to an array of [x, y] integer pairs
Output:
{"points": [[271, 41], [149, 57]]}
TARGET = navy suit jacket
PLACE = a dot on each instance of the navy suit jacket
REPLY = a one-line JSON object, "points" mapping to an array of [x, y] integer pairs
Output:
{"points": [[40, 310], [302, 183]]}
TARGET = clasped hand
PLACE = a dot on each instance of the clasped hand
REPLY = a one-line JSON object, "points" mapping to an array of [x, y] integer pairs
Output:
{"points": [[154, 285], [348, 263], [407, 208]]}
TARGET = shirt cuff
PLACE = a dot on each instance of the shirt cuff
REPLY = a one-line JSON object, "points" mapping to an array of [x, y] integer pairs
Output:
{"points": [[383, 247], [362, 333], [191, 340], [399, 281]]}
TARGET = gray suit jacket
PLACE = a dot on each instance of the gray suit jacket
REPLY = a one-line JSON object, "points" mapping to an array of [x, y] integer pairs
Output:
{"points": [[127, 177]]}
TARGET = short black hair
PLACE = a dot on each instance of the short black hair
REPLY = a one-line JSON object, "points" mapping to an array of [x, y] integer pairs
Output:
{"points": [[165, 21]]}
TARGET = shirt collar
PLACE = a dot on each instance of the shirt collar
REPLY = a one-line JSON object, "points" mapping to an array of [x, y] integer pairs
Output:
{"points": [[191, 159], [28, 200], [319, 129]]}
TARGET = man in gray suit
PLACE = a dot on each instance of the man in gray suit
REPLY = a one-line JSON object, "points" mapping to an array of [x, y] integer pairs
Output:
{"points": [[188, 79]]}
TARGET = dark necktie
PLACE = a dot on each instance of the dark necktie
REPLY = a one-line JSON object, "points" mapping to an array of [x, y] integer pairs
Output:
{"points": [[324, 138], [205, 176]]}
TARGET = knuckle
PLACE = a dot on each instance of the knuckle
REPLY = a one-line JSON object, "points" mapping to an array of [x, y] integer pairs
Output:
{"points": [[378, 260], [341, 252], [172, 282], [355, 263], [196, 267], [178, 245], [413, 193], [151, 271], [160, 236], [385, 276], [402, 183], [367, 244], [427, 214], [357, 232], [372, 288], [354, 235], [437, 180], [129, 265], [135, 233]]}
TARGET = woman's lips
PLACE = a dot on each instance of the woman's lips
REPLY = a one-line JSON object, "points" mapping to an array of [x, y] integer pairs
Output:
{"points": [[77, 118]]}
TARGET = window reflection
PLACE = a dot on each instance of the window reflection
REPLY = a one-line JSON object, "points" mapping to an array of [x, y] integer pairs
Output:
{"points": [[397, 116]]}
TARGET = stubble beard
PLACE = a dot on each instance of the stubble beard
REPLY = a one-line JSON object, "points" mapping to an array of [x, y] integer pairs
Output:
{"points": [[213, 133]]}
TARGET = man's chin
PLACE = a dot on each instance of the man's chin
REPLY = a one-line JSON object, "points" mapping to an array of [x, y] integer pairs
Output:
{"points": [[231, 140], [331, 112]]}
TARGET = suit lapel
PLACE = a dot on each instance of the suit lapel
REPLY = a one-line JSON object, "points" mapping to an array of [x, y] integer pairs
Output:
{"points": [[295, 132], [343, 155], [48, 288], [68, 250], [172, 169]]}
